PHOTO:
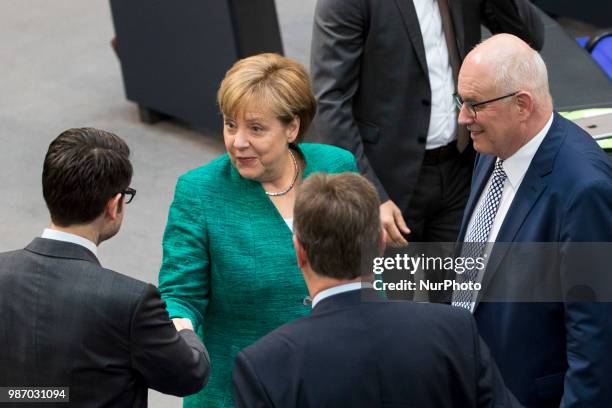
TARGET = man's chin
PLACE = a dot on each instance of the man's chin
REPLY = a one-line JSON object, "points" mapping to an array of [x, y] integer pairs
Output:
{"points": [[480, 147]]}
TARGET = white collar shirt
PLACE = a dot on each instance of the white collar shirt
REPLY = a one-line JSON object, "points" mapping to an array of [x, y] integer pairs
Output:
{"points": [[49, 233], [443, 118], [516, 167], [346, 287]]}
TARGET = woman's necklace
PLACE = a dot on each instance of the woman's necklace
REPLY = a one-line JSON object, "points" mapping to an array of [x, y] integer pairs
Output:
{"points": [[295, 176]]}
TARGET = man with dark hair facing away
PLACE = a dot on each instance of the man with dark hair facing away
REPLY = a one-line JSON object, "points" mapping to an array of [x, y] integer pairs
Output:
{"points": [[69, 322], [356, 350]]}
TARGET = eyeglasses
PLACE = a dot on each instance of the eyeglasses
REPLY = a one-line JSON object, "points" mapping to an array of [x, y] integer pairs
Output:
{"points": [[129, 194], [471, 107]]}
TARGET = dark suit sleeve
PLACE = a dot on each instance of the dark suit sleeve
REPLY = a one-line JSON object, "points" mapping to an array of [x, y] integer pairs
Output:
{"points": [[248, 390], [518, 17], [490, 388], [337, 46], [585, 275], [170, 362]]}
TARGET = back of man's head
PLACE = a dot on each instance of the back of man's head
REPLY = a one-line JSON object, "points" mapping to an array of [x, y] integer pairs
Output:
{"points": [[336, 221], [83, 169]]}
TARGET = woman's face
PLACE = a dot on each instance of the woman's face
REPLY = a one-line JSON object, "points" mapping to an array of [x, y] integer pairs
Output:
{"points": [[257, 143]]}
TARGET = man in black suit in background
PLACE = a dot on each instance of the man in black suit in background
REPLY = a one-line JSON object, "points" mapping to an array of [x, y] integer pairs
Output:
{"points": [[384, 73], [69, 322], [356, 350]]}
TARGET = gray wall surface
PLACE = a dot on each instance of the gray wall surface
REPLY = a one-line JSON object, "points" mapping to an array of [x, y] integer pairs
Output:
{"points": [[295, 18]]}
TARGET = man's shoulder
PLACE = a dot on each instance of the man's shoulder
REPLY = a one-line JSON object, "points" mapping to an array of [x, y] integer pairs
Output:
{"points": [[378, 317], [280, 342], [424, 315], [81, 270], [114, 293], [448, 325], [12, 254], [286, 345], [11, 263], [76, 268], [581, 146], [131, 284], [580, 163], [116, 286]]}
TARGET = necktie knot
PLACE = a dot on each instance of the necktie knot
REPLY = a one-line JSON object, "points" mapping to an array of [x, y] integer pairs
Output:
{"points": [[498, 173]]}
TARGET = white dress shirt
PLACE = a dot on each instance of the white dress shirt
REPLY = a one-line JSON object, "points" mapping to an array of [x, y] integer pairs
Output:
{"points": [[515, 167], [347, 287], [68, 237], [443, 119]]}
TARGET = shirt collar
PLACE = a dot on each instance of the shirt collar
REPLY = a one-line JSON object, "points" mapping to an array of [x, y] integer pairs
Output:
{"points": [[346, 287], [516, 165], [49, 233]]}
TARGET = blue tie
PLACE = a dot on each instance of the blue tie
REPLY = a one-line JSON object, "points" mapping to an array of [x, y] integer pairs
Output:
{"points": [[477, 236]]}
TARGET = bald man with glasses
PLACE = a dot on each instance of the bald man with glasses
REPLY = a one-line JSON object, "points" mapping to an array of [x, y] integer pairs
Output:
{"points": [[538, 178]]}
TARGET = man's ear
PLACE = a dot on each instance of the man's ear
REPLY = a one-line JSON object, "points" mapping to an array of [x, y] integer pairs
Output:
{"points": [[113, 206], [302, 258], [524, 103]]}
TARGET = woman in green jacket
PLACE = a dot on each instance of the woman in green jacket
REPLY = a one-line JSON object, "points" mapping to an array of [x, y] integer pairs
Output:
{"points": [[228, 262]]}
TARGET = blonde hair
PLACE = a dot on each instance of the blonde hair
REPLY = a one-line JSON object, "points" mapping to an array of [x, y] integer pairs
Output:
{"points": [[269, 80]]}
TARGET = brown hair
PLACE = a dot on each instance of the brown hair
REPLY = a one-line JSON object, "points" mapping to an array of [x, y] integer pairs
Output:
{"points": [[336, 220], [271, 80], [83, 169]]}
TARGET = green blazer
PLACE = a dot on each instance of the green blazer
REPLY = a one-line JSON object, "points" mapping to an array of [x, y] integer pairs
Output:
{"points": [[229, 264]]}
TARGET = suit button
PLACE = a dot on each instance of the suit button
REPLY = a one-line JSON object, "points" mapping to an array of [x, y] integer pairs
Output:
{"points": [[426, 102], [307, 301], [422, 139]]}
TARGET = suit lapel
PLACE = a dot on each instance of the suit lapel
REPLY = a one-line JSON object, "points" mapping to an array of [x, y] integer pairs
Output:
{"points": [[411, 24], [533, 185], [481, 177], [522, 204]]}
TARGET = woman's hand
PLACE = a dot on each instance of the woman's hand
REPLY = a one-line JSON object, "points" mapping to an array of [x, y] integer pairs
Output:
{"points": [[393, 223]]}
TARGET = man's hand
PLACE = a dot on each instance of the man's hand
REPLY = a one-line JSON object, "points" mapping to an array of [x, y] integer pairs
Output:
{"points": [[393, 223], [182, 324]]}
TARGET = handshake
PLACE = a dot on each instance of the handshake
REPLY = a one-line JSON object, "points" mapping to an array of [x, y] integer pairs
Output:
{"points": [[182, 324]]}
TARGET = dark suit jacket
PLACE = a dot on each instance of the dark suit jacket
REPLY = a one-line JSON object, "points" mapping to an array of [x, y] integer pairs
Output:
{"points": [[370, 79], [351, 353], [555, 351], [66, 321]]}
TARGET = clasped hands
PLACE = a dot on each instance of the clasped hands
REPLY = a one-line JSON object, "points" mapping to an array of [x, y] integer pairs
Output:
{"points": [[182, 323]]}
